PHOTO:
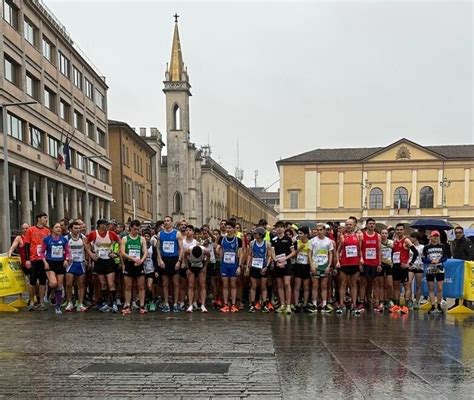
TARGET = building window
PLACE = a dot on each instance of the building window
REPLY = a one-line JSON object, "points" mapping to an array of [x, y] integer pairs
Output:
{"points": [[10, 13], [78, 121], [177, 203], [77, 75], [79, 164], [92, 168], [36, 138], [30, 32], [99, 100], [376, 198], [426, 197], [15, 127], [400, 198], [32, 86], [100, 137], [176, 118], [47, 50], [89, 88], [53, 146], [64, 65], [90, 130], [49, 99], [64, 110], [103, 174], [12, 71], [294, 199]]}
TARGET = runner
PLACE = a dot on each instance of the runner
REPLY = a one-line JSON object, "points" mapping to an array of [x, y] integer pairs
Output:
{"points": [[401, 263], [75, 272], [385, 279], [259, 259], [322, 249], [371, 249], [416, 271], [33, 243], [230, 253], [188, 243], [19, 245], [283, 252], [208, 241], [133, 250], [302, 269], [99, 247], [55, 255], [151, 270], [198, 258], [349, 263], [170, 250], [434, 255]]}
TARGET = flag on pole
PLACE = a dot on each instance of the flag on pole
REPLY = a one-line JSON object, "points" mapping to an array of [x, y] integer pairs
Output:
{"points": [[59, 156], [399, 202], [409, 203], [67, 151]]}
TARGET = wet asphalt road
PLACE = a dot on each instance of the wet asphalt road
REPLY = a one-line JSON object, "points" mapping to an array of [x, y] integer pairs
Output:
{"points": [[236, 356]]}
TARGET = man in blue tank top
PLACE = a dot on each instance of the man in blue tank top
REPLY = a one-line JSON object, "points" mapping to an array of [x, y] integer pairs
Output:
{"points": [[170, 254], [230, 253]]}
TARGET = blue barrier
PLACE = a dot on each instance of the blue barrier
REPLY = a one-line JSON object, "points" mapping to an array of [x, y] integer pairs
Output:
{"points": [[453, 287]]}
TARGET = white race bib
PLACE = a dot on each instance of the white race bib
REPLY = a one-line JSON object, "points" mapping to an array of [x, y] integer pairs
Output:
{"points": [[103, 253], [57, 251], [396, 257], [321, 259], [134, 253], [38, 251], [229, 257], [351, 251], [386, 253], [280, 257], [257, 262], [77, 255], [302, 258], [168, 246], [370, 253]]}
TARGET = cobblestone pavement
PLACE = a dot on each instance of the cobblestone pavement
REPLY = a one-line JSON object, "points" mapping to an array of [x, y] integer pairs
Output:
{"points": [[235, 356]]}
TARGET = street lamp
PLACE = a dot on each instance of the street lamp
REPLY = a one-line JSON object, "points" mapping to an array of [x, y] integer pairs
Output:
{"points": [[366, 185], [445, 183], [5, 217], [87, 214]]}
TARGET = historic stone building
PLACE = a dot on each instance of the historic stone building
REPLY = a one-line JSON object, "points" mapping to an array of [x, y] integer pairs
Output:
{"points": [[400, 182]]}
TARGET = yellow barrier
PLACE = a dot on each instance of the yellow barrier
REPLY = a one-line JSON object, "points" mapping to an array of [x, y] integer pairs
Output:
{"points": [[12, 282], [468, 292]]}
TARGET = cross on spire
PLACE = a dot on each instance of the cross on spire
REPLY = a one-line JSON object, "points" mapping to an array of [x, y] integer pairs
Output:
{"points": [[176, 16]]}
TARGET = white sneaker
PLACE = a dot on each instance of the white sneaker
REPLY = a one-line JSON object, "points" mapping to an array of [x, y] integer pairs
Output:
{"points": [[70, 307], [203, 309], [190, 309], [443, 303], [134, 306]]}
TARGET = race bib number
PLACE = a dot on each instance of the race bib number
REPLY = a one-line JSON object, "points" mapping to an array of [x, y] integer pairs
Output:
{"points": [[134, 253], [103, 253], [386, 253], [57, 251], [38, 251], [322, 259], [168, 246], [77, 256], [257, 262], [149, 266], [281, 257], [396, 257], [370, 254], [229, 257], [351, 251], [302, 258]]}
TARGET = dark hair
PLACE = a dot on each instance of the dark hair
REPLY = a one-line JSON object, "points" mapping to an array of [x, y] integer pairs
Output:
{"points": [[370, 219], [459, 228], [400, 224], [135, 222], [75, 223], [416, 235], [353, 219], [279, 224], [65, 221], [230, 223], [41, 215], [190, 227], [170, 217], [102, 221], [304, 229], [196, 251], [146, 231], [262, 222], [234, 220]]}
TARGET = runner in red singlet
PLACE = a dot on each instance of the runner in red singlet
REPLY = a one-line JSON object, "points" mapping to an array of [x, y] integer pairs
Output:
{"points": [[372, 264]]}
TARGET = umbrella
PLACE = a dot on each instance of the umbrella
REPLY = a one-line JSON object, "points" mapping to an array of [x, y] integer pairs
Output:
{"points": [[432, 224]]}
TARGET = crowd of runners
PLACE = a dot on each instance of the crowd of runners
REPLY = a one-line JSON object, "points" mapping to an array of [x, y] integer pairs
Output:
{"points": [[177, 267]]}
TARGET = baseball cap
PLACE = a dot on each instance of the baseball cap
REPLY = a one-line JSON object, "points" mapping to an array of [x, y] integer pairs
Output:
{"points": [[434, 233]]}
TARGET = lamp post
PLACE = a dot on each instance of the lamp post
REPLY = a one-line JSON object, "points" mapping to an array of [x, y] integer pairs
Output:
{"points": [[5, 217], [87, 214], [365, 186], [445, 183]]}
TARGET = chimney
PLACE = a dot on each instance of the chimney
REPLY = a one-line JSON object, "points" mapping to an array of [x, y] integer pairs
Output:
{"points": [[143, 132]]}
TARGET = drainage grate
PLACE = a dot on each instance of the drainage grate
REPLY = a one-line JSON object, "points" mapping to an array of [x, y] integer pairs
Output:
{"points": [[159, 368]]}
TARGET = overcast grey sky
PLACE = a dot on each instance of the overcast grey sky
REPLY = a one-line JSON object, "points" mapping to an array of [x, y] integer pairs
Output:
{"points": [[288, 77]]}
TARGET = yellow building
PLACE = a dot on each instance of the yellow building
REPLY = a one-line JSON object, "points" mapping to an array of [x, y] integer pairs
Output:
{"points": [[401, 182]]}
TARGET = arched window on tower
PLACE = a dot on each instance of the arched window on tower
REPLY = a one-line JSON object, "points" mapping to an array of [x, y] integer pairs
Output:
{"points": [[426, 197], [176, 118], [400, 198], [178, 203], [376, 198]]}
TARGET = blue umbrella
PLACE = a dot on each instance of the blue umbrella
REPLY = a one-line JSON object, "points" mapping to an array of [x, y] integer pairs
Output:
{"points": [[432, 224]]}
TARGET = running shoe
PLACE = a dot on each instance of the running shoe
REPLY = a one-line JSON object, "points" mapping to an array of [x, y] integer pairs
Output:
{"points": [[234, 308], [57, 310], [195, 307], [410, 304], [70, 307], [42, 307], [126, 311], [119, 303], [152, 307], [379, 308], [330, 307], [31, 307], [258, 306], [81, 308], [135, 306], [312, 308], [443, 303], [360, 307], [432, 310], [423, 301], [115, 309], [143, 310], [182, 307], [190, 309], [394, 309], [306, 309], [416, 306], [281, 309], [218, 303], [390, 304], [288, 310], [225, 308], [203, 308], [176, 308], [166, 308], [265, 309], [404, 310], [104, 308], [327, 309], [270, 306], [252, 309], [339, 310], [439, 309]]}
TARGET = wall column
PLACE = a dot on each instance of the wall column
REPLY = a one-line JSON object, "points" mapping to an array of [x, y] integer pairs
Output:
{"points": [[467, 177], [73, 203], [341, 189], [43, 200], [25, 196], [96, 209], [59, 200], [107, 210]]}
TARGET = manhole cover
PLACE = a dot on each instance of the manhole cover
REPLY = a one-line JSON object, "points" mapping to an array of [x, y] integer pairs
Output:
{"points": [[159, 368]]}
